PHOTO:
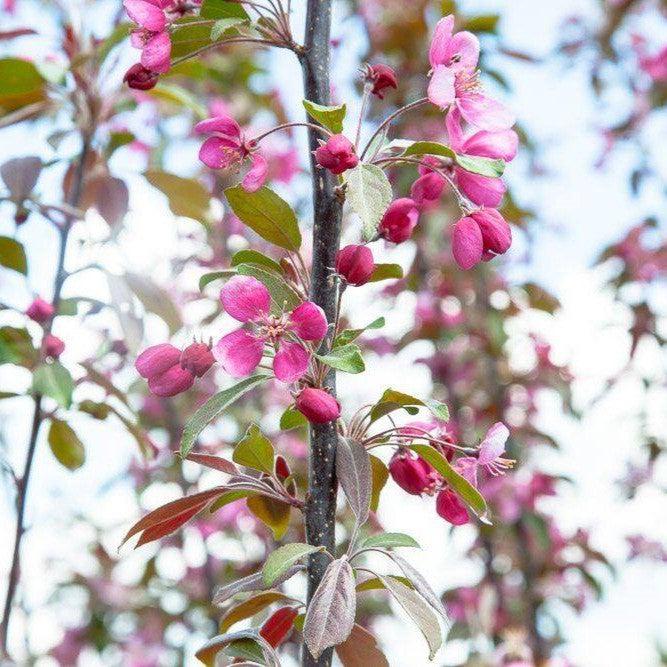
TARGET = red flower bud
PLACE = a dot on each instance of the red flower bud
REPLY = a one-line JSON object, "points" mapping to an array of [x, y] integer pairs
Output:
{"points": [[412, 473], [317, 406], [53, 346], [277, 626], [140, 78], [171, 382], [197, 359], [160, 365], [337, 154], [480, 236], [282, 468], [40, 311], [399, 220], [355, 263], [382, 77], [450, 508]]}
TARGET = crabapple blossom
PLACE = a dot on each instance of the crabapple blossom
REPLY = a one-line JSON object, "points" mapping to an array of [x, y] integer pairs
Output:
{"points": [[449, 507], [399, 220], [337, 154], [414, 475], [53, 346], [317, 405], [228, 148], [247, 300], [455, 80], [382, 77], [140, 78], [480, 236], [355, 264], [40, 311], [151, 35]]}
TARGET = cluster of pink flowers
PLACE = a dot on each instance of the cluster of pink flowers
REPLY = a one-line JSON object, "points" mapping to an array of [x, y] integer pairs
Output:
{"points": [[153, 19], [417, 477]]}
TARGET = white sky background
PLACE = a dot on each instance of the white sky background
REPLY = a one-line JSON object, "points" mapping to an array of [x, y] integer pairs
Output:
{"points": [[588, 209]]}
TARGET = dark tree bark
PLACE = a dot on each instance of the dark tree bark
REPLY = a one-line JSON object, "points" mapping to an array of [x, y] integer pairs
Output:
{"points": [[320, 508]]}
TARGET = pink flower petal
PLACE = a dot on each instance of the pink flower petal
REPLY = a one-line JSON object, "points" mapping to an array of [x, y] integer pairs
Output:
{"points": [[239, 352], [256, 177], [462, 52], [481, 190], [290, 362], [450, 508], [441, 38], [427, 188], [498, 145], [171, 382], [496, 232], [441, 87], [157, 359], [218, 153], [146, 14], [467, 466], [222, 124], [493, 444], [467, 244], [156, 53], [454, 129], [245, 298], [309, 321], [484, 112]]}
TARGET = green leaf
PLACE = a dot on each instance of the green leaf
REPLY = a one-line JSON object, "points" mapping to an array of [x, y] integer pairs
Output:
{"points": [[222, 9], [388, 541], [380, 475], [267, 214], [228, 498], [348, 335], [12, 255], [213, 407], [54, 380], [280, 560], [186, 196], [418, 610], [179, 96], [393, 400], [375, 583], [330, 117], [221, 26], [282, 295], [369, 193], [292, 418], [254, 450], [248, 608], [482, 23], [20, 84], [65, 445], [215, 275], [429, 148], [345, 358], [483, 166], [464, 489], [257, 258], [386, 272], [272, 513]]}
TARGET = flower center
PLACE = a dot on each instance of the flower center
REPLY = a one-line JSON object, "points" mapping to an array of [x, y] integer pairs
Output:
{"points": [[467, 81], [272, 328]]}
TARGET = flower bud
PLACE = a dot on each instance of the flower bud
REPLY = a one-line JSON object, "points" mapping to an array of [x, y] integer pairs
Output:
{"points": [[355, 264], [467, 243], [197, 359], [282, 468], [171, 382], [317, 405], [450, 508], [140, 78], [157, 359], [53, 346], [399, 220], [411, 472], [383, 77], [480, 236], [337, 154], [496, 233], [40, 311]]}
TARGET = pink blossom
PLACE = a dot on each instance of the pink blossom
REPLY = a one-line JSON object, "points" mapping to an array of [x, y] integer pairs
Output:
{"points": [[655, 66], [317, 405], [412, 473], [337, 154], [450, 508], [53, 346], [355, 264], [151, 36], [455, 80], [228, 148], [240, 352], [399, 220], [382, 77], [503, 144], [480, 236], [40, 311], [170, 371]]}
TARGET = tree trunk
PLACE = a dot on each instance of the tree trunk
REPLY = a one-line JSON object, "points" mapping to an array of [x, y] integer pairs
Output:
{"points": [[320, 511]]}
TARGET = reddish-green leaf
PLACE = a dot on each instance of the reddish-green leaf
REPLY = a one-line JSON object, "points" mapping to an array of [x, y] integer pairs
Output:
{"points": [[360, 649], [215, 462]]}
